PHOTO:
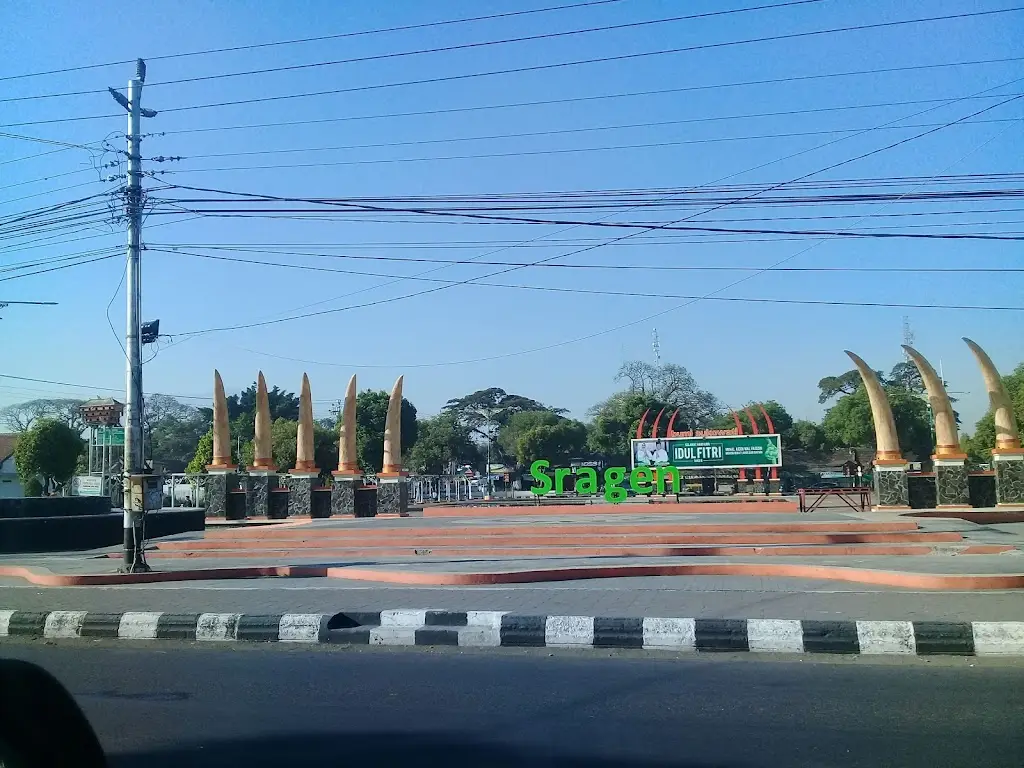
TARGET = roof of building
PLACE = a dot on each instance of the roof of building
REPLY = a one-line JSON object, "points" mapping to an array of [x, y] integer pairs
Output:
{"points": [[7, 443], [103, 401]]}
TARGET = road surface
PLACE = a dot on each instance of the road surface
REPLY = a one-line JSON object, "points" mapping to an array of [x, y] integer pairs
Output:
{"points": [[329, 706]]}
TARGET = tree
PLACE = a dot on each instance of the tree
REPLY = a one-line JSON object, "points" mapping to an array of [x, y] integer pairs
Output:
{"points": [[172, 430], [203, 456], [21, 416], [371, 415], [615, 421], [283, 405], [844, 384], [441, 441], [558, 442], [518, 424], [483, 412], [849, 424], [781, 420], [49, 448], [906, 376], [283, 436], [807, 436], [674, 386]]}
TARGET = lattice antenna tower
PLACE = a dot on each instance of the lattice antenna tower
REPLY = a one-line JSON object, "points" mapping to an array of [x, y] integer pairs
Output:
{"points": [[908, 336], [656, 346]]}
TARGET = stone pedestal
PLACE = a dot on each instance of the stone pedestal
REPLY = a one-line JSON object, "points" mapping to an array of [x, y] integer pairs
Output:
{"points": [[300, 493], [219, 483], [392, 496], [891, 486], [951, 491], [258, 487], [1009, 468], [744, 487], [343, 494], [774, 487]]}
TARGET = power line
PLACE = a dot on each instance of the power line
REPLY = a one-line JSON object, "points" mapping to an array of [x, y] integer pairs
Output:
{"points": [[449, 49], [621, 95], [632, 234], [547, 152], [598, 60], [320, 38], [594, 129], [641, 294], [616, 267], [58, 268], [65, 144], [568, 100]]}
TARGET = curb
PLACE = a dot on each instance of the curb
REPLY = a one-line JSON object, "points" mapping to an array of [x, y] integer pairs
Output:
{"points": [[492, 629]]}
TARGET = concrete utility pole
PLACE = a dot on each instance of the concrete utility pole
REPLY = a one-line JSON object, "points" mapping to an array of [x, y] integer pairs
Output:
{"points": [[134, 496]]}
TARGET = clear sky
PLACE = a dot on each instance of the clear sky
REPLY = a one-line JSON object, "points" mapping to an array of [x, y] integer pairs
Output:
{"points": [[740, 351]]}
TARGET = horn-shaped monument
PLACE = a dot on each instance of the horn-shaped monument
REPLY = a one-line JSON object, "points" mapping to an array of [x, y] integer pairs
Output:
{"points": [[393, 432], [347, 477], [951, 484], [392, 485], [263, 457], [887, 443], [890, 466], [1007, 435], [1007, 456], [348, 461], [947, 442], [305, 477], [219, 478], [221, 431], [304, 460]]}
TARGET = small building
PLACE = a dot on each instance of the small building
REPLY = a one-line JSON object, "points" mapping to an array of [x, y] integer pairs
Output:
{"points": [[10, 485]]}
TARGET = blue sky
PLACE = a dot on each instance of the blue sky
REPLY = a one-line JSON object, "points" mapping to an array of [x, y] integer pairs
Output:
{"points": [[739, 351]]}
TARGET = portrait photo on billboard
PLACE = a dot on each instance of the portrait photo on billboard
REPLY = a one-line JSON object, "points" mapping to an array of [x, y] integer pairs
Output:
{"points": [[650, 453]]}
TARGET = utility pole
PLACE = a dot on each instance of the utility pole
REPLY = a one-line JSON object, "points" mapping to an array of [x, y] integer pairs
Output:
{"points": [[134, 496]]}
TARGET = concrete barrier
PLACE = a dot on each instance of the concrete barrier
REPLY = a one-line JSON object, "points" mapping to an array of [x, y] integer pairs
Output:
{"points": [[89, 531]]}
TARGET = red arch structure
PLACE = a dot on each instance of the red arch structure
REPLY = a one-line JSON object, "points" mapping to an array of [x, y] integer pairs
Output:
{"points": [[671, 432]]}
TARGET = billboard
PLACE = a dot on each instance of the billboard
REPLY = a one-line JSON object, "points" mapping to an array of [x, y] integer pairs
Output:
{"points": [[719, 452]]}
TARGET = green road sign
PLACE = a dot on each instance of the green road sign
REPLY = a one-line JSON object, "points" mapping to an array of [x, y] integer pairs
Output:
{"points": [[709, 452], [110, 436]]}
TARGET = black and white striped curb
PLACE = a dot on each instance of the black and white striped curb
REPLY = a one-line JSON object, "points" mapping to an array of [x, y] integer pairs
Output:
{"points": [[289, 627], [492, 629]]}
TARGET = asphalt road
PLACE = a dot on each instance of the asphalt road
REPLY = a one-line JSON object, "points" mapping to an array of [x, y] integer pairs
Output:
{"points": [[157, 705], [718, 598]]}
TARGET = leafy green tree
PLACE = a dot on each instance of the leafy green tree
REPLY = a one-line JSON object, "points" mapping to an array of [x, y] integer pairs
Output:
{"points": [[849, 424], [203, 455], [781, 419], [33, 488], [807, 436], [906, 376], [283, 436], [558, 442], [519, 423], [48, 449], [614, 423], [441, 441], [283, 405], [371, 415], [844, 384], [172, 431]]}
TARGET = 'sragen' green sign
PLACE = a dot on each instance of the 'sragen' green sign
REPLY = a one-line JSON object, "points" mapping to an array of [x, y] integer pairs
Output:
{"points": [[724, 452]]}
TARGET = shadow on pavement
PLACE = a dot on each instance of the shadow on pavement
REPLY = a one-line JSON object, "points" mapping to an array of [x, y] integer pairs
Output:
{"points": [[327, 751]]}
